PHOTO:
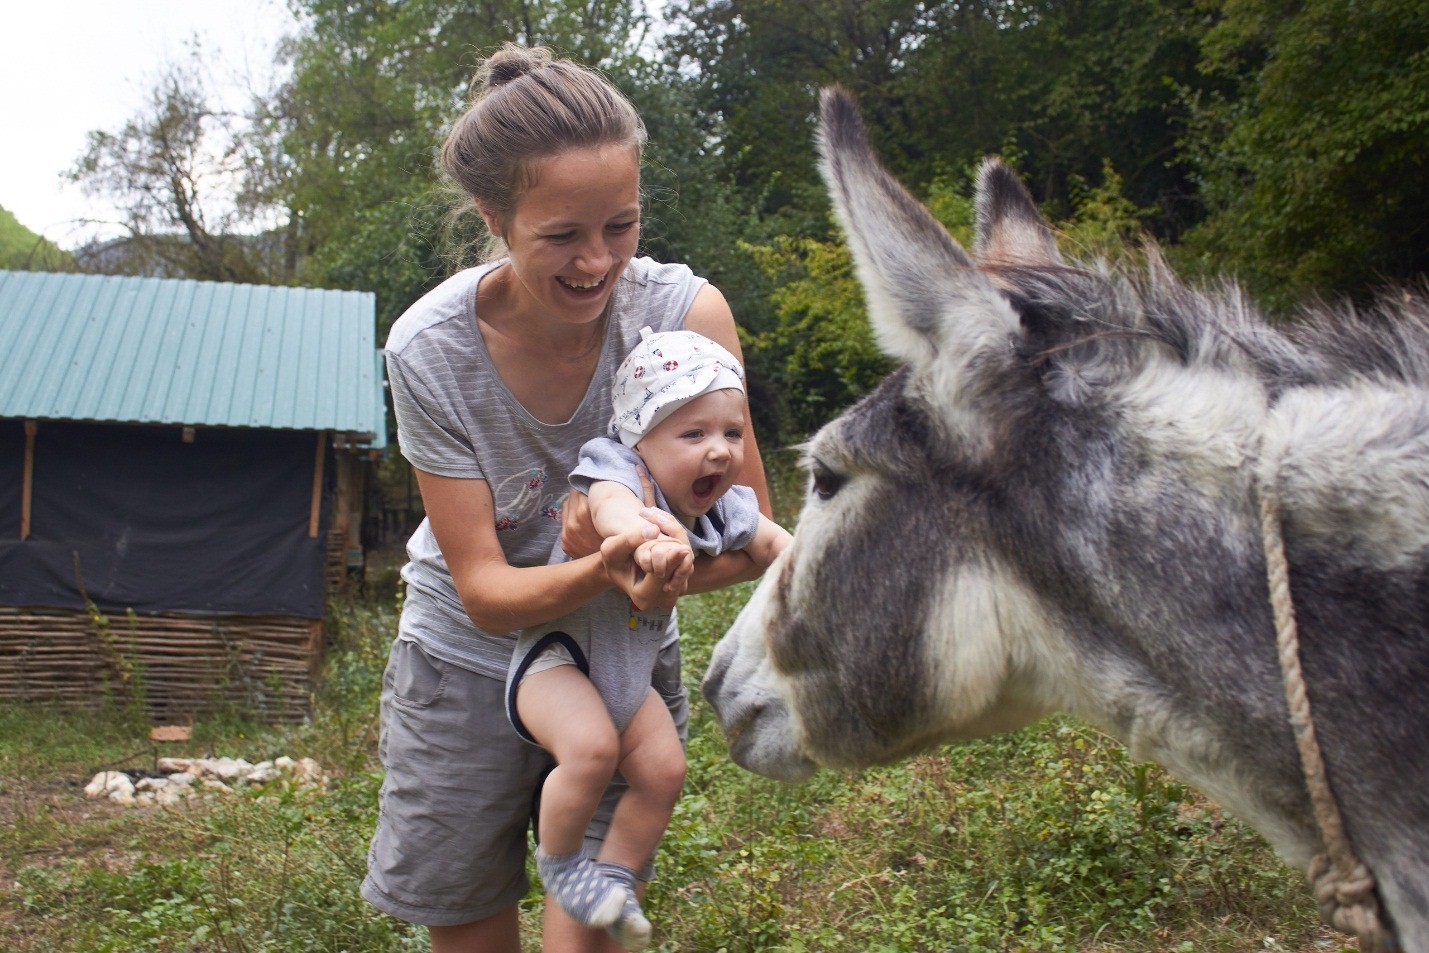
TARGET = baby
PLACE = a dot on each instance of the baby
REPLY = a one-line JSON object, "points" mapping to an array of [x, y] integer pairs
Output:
{"points": [[580, 686]]}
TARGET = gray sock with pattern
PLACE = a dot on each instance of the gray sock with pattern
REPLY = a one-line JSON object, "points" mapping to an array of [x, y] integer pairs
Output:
{"points": [[589, 896], [630, 929]]}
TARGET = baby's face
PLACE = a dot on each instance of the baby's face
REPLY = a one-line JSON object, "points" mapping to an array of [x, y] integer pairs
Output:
{"points": [[696, 453]]}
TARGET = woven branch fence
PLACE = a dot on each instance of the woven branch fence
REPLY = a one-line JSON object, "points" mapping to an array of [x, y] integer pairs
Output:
{"points": [[177, 666]]}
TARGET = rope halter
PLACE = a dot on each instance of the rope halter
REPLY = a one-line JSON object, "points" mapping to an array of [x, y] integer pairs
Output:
{"points": [[1343, 885]]}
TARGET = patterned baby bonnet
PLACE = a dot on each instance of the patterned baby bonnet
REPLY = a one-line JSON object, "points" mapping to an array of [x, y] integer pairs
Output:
{"points": [[665, 370]]}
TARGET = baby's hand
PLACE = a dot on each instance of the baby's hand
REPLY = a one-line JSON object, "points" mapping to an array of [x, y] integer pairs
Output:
{"points": [[669, 560]]}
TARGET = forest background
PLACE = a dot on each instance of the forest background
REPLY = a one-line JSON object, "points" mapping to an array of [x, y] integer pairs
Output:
{"points": [[1281, 142]]}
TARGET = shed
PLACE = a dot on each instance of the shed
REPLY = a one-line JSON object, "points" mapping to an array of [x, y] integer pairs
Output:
{"points": [[183, 470]]}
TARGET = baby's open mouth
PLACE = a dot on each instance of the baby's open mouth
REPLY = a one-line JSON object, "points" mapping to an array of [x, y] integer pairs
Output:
{"points": [[705, 485]]}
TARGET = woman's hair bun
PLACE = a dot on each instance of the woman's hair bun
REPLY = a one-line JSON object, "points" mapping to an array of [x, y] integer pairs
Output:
{"points": [[509, 63]]}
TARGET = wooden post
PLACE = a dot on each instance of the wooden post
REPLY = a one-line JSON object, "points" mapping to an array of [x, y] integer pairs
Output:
{"points": [[317, 486], [27, 485]]}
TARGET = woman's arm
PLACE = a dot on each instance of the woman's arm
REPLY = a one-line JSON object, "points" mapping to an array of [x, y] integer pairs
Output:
{"points": [[497, 596], [709, 315]]}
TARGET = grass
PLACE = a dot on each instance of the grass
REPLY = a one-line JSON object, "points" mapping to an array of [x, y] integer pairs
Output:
{"points": [[1046, 840]]}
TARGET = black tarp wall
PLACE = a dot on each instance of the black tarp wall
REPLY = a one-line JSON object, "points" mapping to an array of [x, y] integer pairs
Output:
{"points": [[219, 525]]}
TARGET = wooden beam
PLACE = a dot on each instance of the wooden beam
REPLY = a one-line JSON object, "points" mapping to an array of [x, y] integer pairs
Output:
{"points": [[27, 485], [317, 507]]}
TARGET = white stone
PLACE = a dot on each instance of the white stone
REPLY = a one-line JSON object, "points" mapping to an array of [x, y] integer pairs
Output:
{"points": [[263, 773], [99, 784], [170, 795], [231, 769], [187, 776]]}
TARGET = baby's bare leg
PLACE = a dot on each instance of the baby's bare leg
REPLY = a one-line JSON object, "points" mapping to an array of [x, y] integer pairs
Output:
{"points": [[653, 763], [565, 714]]}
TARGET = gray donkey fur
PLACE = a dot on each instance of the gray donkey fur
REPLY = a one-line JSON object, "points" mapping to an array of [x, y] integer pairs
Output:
{"points": [[1050, 508]]}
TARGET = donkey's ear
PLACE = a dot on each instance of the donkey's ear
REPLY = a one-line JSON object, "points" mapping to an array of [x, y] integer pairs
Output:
{"points": [[1010, 228], [926, 297]]}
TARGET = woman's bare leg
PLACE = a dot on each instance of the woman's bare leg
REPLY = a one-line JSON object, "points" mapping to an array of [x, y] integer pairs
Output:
{"points": [[499, 933]]}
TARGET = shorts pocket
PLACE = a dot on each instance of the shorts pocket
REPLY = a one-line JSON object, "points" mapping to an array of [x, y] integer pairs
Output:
{"points": [[418, 680], [665, 678]]}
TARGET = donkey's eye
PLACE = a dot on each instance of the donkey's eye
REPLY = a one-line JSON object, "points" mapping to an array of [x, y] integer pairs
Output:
{"points": [[825, 481]]}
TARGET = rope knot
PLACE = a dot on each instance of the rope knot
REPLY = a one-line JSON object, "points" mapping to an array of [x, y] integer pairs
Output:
{"points": [[1348, 903]]}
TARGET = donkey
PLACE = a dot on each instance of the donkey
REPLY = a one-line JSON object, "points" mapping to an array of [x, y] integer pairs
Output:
{"points": [[1051, 507]]}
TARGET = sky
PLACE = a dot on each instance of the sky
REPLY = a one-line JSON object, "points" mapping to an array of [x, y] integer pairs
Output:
{"points": [[70, 66]]}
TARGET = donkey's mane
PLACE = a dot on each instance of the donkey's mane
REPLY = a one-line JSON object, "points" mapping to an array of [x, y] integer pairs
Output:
{"points": [[1111, 322]]}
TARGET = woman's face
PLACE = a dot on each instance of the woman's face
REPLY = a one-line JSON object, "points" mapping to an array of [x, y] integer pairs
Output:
{"points": [[574, 230]]}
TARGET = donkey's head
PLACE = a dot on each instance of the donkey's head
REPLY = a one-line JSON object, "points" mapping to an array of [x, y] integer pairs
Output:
{"points": [[1038, 468]]}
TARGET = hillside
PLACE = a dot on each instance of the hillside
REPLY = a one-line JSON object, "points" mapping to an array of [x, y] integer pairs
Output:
{"points": [[22, 249]]}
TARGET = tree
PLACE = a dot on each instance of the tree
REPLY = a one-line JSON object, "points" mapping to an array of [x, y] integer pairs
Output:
{"points": [[352, 136], [1313, 160], [759, 64], [1058, 86], [175, 171]]}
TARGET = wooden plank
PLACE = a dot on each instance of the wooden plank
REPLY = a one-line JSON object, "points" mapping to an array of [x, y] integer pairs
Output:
{"points": [[317, 506], [27, 485]]}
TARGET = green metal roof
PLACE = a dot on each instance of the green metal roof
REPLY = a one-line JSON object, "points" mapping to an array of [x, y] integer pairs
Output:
{"points": [[191, 353]]}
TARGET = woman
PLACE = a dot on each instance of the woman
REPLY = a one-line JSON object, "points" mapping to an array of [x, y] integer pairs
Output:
{"points": [[498, 376]]}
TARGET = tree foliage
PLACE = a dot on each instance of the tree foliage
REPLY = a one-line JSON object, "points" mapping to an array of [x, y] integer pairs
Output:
{"points": [[174, 169], [1280, 140], [1312, 161], [1061, 86]]}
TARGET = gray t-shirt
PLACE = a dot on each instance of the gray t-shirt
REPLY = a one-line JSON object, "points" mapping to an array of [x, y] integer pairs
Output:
{"points": [[456, 418]]}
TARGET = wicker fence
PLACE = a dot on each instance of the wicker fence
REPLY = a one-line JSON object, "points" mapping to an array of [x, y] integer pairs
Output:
{"points": [[178, 666]]}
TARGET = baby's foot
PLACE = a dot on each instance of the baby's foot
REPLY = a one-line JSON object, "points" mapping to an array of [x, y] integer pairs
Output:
{"points": [[630, 929], [588, 895]]}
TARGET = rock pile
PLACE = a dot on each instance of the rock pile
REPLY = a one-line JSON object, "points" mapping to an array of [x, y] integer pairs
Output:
{"points": [[180, 778]]}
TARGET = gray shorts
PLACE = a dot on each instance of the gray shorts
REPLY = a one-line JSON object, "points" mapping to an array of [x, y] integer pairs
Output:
{"points": [[460, 791]]}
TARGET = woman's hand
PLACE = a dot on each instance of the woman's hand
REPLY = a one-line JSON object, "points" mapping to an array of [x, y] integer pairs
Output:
{"points": [[652, 562], [645, 590], [578, 534], [670, 561]]}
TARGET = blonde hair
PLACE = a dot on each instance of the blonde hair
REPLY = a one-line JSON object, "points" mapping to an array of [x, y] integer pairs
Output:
{"points": [[527, 104]]}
